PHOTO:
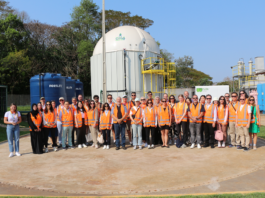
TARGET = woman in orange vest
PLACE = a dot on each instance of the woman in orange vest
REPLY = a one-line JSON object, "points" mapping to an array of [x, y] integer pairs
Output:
{"points": [[92, 116], [158, 136], [81, 121], [180, 113], [222, 119], [35, 123], [143, 105], [56, 133], [164, 121], [105, 124], [172, 130], [255, 122], [150, 122], [49, 126], [202, 102], [136, 116]]}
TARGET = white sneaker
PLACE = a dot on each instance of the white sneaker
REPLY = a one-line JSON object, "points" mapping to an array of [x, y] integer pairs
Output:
{"points": [[96, 147], [183, 146], [104, 147], [192, 146], [149, 146], [131, 143], [219, 144], [140, 147], [108, 147], [134, 147], [199, 146], [79, 146], [170, 142], [18, 154], [114, 141], [153, 146], [84, 145], [223, 145], [92, 145], [46, 150], [11, 155], [55, 149]]}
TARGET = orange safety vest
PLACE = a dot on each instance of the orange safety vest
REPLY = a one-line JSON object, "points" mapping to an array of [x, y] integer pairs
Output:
{"points": [[71, 106], [112, 105], [196, 112], [138, 115], [67, 118], [59, 108], [172, 111], [150, 117], [242, 115], [105, 121], [221, 113], [49, 119], [128, 106], [79, 120], [232, 111], [163, 116], [132, 104], [36, 121], [91, 116], [98, 105], [246, 101], [115, 112], [179, 110], [209, 113]]}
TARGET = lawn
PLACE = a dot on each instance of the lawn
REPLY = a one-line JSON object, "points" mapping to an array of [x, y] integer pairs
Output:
{"points": [[24, 108], [3, 136], [261, 134]]}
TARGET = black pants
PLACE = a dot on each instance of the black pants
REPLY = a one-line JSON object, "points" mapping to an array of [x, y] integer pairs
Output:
{"points": [[158, 139], [147, 133], [172, 130], [209, 133], [143, 134], [106, 136], [184, 126], [46, 132], [81, 133], [73, 135]]}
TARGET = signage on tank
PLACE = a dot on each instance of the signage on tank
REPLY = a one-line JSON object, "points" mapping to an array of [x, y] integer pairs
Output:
{"points": [[55, 85], [120, 38], [202, 89], [78, 89], [69, 87]]}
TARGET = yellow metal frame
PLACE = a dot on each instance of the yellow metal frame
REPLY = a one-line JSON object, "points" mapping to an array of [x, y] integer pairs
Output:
{"points": [[157, 66]]}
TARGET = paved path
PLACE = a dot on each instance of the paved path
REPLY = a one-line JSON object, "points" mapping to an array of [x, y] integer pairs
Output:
{"points": [[132, 172]]}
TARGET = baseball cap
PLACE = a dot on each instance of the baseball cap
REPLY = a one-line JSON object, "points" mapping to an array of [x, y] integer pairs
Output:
{"points": [[124, 96], [61, 98], [42, 98], [137, 100]]}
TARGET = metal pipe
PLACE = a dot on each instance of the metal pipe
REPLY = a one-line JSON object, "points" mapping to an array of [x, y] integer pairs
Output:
{"points": [[104, 52]]}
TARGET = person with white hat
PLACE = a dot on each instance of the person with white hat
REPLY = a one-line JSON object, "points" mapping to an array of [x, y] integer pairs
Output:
{"points": [[215, 100], [59, 123]]}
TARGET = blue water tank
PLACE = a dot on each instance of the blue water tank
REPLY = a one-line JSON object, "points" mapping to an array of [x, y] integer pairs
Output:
{"points": [[52, 87], [79, 88], [260, 101], [70, 89]]}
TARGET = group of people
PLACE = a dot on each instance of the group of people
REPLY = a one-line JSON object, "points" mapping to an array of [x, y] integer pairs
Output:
{"points": [[147, 121]]}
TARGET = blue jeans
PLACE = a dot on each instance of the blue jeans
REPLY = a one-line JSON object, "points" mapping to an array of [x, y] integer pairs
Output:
{"points": [[137, 130], [59, 127], [13, 132], [120, 129], [67, 131]]}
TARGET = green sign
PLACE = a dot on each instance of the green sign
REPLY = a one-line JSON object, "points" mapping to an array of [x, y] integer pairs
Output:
{"points": [[199, 89], [120, 38], [202, 89]]}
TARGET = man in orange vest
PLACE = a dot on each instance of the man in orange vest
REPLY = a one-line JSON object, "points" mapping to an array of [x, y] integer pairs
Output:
{"points": [[111, 104], [158, 138], [232, 107], [128, 121], [133, 96], [195, 112], [97, 103], [210, 117], [66, 116], [119, 116], [59, 123], [150, 96], [243, 117]]}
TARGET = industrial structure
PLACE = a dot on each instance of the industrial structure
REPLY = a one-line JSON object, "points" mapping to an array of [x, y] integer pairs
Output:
{"points": [[249, 76], [133, 64]]}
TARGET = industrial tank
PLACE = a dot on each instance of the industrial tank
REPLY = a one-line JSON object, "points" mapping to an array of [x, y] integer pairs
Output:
{"points": [[125, 47], [70, 89], [260, 96], [79, 88], [50, 86]]}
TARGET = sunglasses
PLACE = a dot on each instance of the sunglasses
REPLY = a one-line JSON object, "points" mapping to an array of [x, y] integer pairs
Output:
{"points": [[106, 106], [227, 96], [234, 96], [242, 99], [142, 99], [133, 95], [150, 103], [195, 98], [96, 98], [48, 104], [251, 100], [208, 98], [164, 101], [150, 94], [109, 98], [92, 103], [171, 98], [222, 99]]}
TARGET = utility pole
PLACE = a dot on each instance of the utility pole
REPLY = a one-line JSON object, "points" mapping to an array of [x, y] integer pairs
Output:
{"points": [[104, 52]]}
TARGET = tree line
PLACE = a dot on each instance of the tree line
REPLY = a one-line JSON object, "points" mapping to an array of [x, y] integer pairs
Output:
{"points": [[29, 47]]}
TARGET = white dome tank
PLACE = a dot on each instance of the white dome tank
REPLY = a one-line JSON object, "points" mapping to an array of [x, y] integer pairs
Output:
{"points": [[129, 38]]}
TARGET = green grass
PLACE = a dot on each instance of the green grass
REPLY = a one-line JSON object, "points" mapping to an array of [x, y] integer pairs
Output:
{"points": [[3, 136], [262, 132], [24, 108], [23, 123]]}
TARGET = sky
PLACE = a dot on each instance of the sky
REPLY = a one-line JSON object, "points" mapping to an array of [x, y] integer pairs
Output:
{"points": [[216, 33]]}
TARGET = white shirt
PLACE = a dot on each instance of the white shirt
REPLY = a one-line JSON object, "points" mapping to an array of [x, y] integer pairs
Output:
{"points": [[12, 117], [136, 108], [83, 115], [43, 106], [249, 108], [215, 111]]}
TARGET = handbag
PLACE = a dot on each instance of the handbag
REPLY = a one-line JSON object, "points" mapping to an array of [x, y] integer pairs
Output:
{"points": [[89, 137], [100, 138], [219, 134]]}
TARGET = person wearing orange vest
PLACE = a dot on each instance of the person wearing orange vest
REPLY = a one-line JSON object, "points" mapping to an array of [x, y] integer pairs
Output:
{"points": [[111, 104], [56, 132], [172, 130], [242, 92], [105, 124], [36, 134], [202, 102], [73, 106], [133, 96], [195, 113], [66, 116], [80, 121], [150, 96], [243, 118], [150, 122], [164, 121], [143, 105], [128, 121], [210, 117], [136, 116], [59, 123], [254, 127], [158, 136], [180, 113], [39, 106], [93, 117], [227, 97], [49, 120], [119, 115], [222, 119], [232, 107]]}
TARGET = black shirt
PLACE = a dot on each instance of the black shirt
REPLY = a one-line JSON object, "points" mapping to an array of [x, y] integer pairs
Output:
{"points": [[119, 112], [202, 107]]}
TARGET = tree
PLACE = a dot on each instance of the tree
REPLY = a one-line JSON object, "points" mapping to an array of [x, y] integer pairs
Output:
{"points": [[5, 9], [23, 16], [182, 73]]}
